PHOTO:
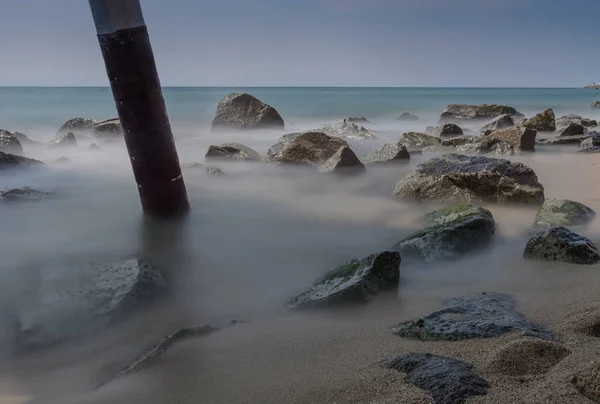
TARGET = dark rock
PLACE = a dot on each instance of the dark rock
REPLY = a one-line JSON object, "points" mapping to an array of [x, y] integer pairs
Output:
{"points": [[561, 244], [596, 104], [76, 125], [477, 112], [562, 212], [487, 315], [487, 146], [543, 122], [519, 138], [566, 120], [389, 153], [356, 281], [63, 141], [527, 357], [344, 161], [232, 151], [419, 140], [313, 148], [8, 161], [358, 120], [573, 129], [498, 123], [591, 143], [245, 112], [587, 380], [448, 380], [448, 130], [25, 193], [405, 116], [9, 143], [108, 129], [345, 129], [455, 177], [451, 233]]}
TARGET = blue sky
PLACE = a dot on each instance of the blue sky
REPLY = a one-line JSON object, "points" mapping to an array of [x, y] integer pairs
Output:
{"points": [[531, 43]]}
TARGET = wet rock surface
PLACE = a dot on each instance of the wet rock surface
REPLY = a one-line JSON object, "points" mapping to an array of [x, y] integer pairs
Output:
{"points": [[587, 381], [64, 141], [25, 194], [9, 143], [451, 233], [498, 123], [345, 129], [519, 138], [527, 357], [232, 151], [448, 130], [11, 161], [344, 161], [419, 140], [108, 129], [561, 244], [244, 112], [389, 153], [543, 122], [574, 129], [563, 212], [355, 281], [487, 315], [477, 112], [313, 148], [448, 380], [455, 177]]}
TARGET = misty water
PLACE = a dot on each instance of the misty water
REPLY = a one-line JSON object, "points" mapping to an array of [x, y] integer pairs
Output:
{"points": [[255, 237]]}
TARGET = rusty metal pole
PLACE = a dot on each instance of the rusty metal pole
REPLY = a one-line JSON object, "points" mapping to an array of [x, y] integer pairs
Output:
{"points": [[136, 89]]}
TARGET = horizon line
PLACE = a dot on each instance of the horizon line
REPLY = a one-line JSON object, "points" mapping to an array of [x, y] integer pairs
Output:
{"points": [[302, 87]]}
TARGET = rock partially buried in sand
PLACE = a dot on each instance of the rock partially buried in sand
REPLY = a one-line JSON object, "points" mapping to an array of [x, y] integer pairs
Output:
{"points": [[77, 125], [344, 161], [10, 161], [587, 381], [452, 233], [574, 129], [245, 112], [389, 153], [25, 194], [448, 380], [448, 130], [345, 129], [356, 281], [563, 212], [459, 178], [232, 151], [419, 140], [487, 315], [64, 141], [498, 123], [9, 143], [518, 137], [527, 357], [561, 244], [313, 148], [477, 112], [543, 122], [405, 116], [566, 120]]}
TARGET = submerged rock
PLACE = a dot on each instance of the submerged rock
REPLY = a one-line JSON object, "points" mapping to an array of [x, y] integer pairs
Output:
{"points": [[77, 125], [245, 112], [452, 233], [24, 140], [356, 281], [94, 146], [566, 120], [543, 122], [344, 161], [405, 116], [455, 177], [527, 357], [8, 161], [498, 123], [518, 137], [596, 104], [477, 112], [448, 130], [25, 193], [9, 143], [587, 380], [389, 153], [313, 148], [448, 380], [563, 212], [67, 140], [486, 315], [419, 140], [345, 129], [561, 244], [232, 151], [573, 129], [108, 129], [207, 169]]}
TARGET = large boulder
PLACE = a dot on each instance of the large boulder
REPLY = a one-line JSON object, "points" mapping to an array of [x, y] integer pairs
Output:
{"points": [[574, 129], [561, 244], [345, 129], [313, 148], [500, 122], [543, 122], [405, 116], [455, 177], [63, 141], [448, 130], [108, 129], [356, 281], [232, 151], [477, 112], [9, 161], [77, 125], [243, 112], [419, 140], [75, 299], [486, 315], [451, 233], [519, 138], [344, 161], [566, 120], [562, 212], [389, 153], [9, 143]]}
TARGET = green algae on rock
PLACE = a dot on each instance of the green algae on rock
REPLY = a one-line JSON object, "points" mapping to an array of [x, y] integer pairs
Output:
{"points": [[563, 212]]}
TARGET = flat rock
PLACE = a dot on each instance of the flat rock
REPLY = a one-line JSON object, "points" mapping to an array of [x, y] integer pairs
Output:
{"points": [[520, 138], [477, 112], [561, 244], [563, 212], [459, 178], [500, 122], [358, 120], [389, 153], [486, 315], [566, 120], [448, 380], [64, 141], [232, 151], [419, 140], [77, 125], [245, 112], [108, 129], [587, 381], [9, 161], [312, 148], [574, 129], [405, 116], [9, 143], [527, 357], [448, 130], [345, 129], [355, 281], [344, 161], [451, 233], [543, 122], [25, 194]]}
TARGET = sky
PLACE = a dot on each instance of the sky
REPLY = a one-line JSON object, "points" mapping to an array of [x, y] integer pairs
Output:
{"points": [[396, 43]]}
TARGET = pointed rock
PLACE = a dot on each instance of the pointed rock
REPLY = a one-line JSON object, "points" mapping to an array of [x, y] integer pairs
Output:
{"points": [[344, 161]]}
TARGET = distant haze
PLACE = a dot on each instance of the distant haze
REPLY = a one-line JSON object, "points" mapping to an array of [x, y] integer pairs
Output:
{"points": [[525, 43]]}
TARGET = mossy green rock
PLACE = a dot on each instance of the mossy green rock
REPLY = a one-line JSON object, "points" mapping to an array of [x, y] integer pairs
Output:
{"points": [[452, 233], [355, 281], [561, 244], [544, 121], [562, 212]]}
